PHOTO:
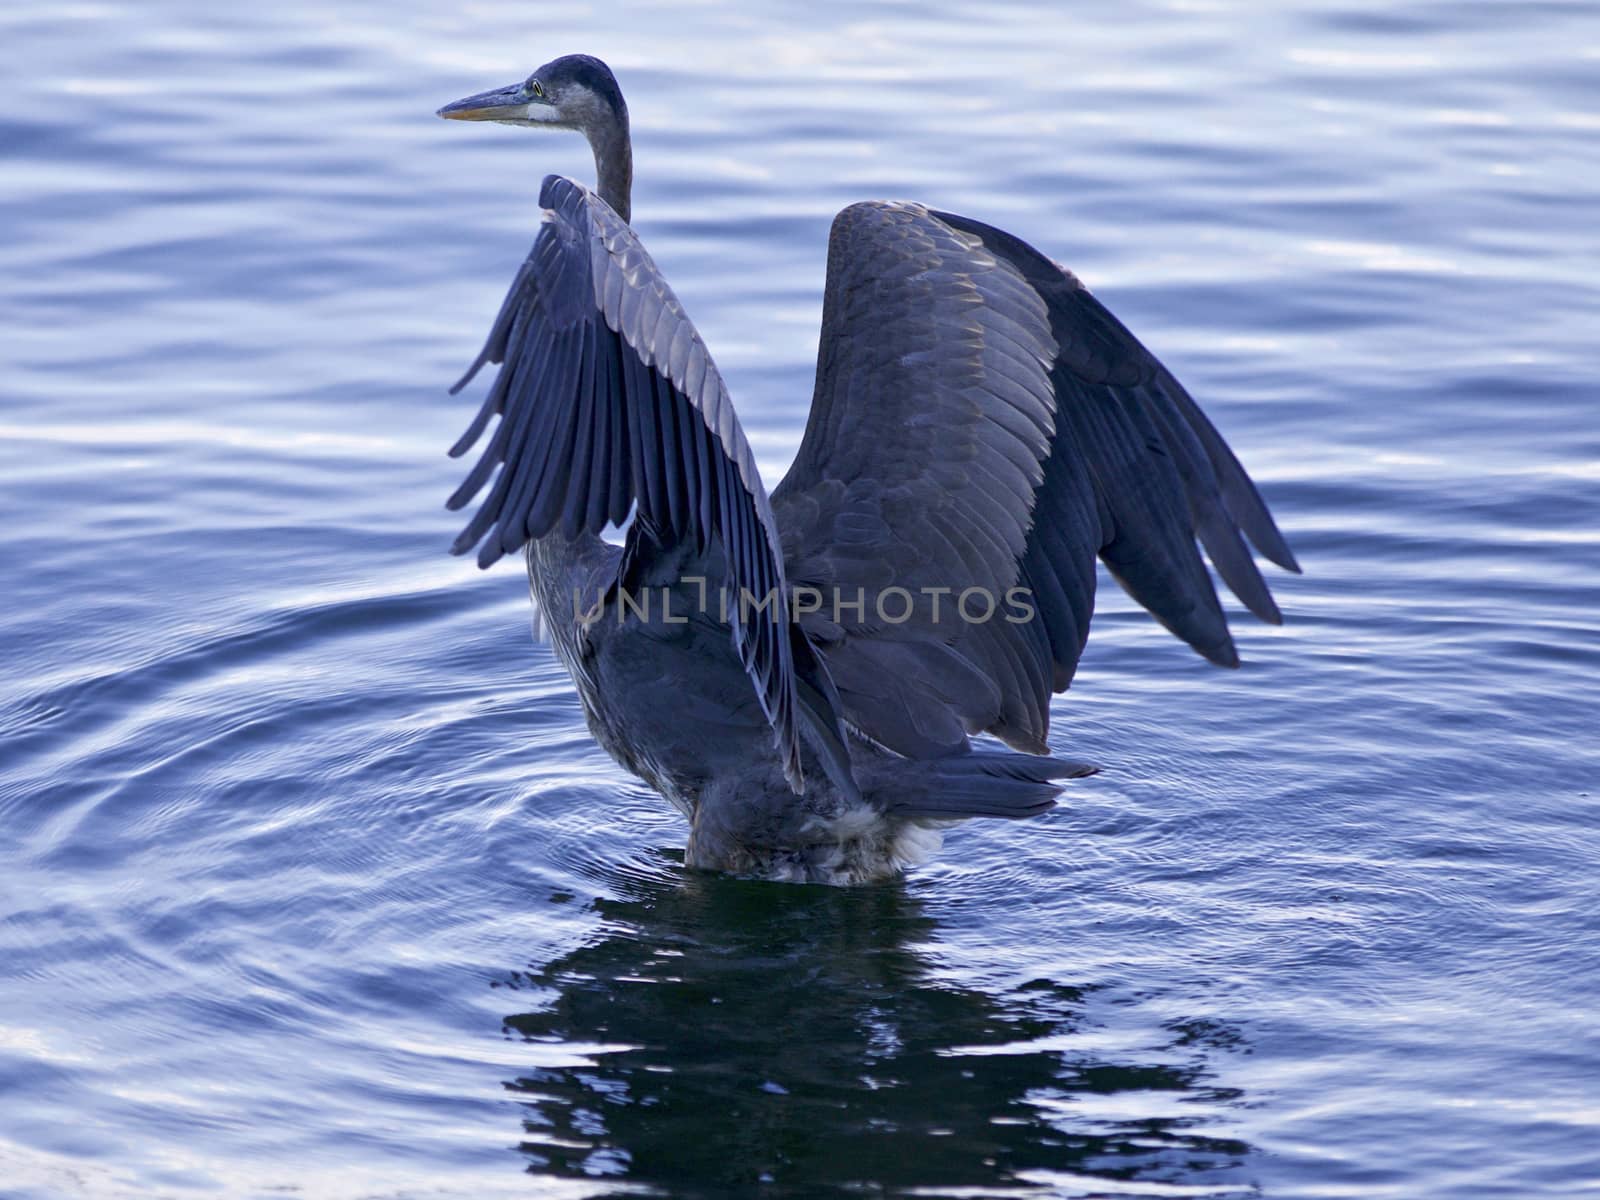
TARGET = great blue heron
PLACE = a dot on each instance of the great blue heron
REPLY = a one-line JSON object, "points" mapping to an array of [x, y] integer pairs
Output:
{"points": [[800, 675]]}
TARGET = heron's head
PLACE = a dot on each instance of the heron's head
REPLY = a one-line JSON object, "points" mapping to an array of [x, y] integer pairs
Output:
{"points": [[576, 91]]}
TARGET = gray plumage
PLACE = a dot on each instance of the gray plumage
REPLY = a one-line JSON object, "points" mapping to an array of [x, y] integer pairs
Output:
{"points": [[981, 427]]}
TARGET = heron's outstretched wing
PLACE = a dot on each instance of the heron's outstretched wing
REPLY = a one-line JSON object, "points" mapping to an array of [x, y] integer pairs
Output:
{"points": [[608, 399], [981, 422]]}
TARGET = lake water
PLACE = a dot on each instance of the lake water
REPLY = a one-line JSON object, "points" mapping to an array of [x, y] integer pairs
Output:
{"points": [[312, 882]]}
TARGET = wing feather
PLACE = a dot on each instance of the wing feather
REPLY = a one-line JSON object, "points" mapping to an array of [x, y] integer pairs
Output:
{"points": [[607, 400], [981, 421]]}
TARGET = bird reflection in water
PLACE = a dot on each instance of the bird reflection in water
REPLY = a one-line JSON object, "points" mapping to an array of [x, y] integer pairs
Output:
{"points": [[726, 1037]]}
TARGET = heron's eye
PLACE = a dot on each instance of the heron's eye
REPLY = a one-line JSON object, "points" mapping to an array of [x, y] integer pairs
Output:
{"points": [[534, 88]]}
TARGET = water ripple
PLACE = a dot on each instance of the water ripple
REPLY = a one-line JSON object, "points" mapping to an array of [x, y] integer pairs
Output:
{"points": [[311, 875]]}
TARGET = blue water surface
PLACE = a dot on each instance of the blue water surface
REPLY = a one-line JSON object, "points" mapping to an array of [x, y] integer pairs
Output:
{"points": [[311, 879]]}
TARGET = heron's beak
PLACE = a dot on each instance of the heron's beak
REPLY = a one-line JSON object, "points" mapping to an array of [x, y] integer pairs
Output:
{"points": [[502, 104]]}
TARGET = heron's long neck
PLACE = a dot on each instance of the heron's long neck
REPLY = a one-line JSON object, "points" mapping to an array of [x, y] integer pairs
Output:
{"points": [[613, 164]]}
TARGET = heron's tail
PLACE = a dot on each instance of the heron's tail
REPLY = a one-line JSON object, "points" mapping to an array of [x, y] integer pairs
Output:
{"points": [[974, 785]]}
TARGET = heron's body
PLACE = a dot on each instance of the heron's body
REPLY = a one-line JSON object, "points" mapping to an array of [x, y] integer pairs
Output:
{"points": [[981, 427], [666, 696]]}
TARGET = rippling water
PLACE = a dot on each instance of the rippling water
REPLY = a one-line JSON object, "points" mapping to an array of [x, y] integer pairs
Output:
{"points": [[312, 880]]}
